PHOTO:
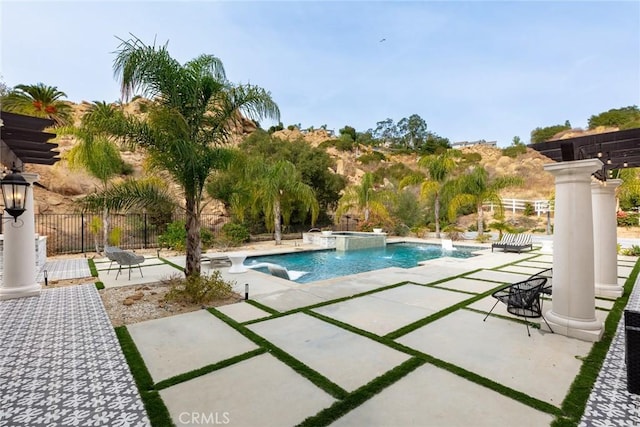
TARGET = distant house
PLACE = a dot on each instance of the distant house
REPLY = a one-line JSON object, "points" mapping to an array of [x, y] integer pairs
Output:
{"points": [[462, 144]]}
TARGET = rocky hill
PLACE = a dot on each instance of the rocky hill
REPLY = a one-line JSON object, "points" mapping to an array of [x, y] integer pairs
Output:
{"points": [[61, 187]]}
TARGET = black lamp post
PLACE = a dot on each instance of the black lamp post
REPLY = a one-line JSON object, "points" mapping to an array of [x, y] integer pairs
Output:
{"points": [[14, 192]]}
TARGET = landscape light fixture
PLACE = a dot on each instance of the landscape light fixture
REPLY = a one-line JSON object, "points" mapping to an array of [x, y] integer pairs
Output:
{"points": [[14, 193]]}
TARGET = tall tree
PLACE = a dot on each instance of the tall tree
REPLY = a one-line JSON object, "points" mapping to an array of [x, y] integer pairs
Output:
{"points": [[95, 152], [38, 100], [194, 110], [476, 187], [363, 199], [275, 189], [412, 130], [439, 168]]}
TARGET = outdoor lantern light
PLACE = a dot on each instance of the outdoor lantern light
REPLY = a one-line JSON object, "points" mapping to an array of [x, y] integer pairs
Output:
{"points": [[14, 193]]}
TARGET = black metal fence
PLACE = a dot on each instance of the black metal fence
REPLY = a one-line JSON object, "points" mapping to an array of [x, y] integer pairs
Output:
{"points": [[78, 233]]}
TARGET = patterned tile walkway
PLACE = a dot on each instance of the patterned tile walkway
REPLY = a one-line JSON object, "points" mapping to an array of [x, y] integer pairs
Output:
{"points": [[610, 404], [61, 363], [62, 269]]}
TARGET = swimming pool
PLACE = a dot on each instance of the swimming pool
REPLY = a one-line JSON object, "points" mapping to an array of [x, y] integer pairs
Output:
{"points": [[327, 264]]}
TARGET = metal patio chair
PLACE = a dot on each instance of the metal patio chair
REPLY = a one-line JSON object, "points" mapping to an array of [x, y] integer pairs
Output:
{"points": [[522, 299], [128, 259]]}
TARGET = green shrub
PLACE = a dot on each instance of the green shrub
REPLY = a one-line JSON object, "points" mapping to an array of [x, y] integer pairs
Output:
{"points": [[514, 150], [115, 236], [374, 156], [626, 219], [235, 234], [634, 250], [176, 237], [198, 289], [529, 209]]}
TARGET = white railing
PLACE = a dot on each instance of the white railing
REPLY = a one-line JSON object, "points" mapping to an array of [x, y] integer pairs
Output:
{"points": [[539, 206]]}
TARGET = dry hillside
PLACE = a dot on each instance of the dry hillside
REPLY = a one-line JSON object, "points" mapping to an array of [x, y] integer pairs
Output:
{"points": [[62, 186]]}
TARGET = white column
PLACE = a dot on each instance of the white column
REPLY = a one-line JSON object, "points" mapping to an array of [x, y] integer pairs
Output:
{"points": [[19, 257], [573, 304], [605, 238]]}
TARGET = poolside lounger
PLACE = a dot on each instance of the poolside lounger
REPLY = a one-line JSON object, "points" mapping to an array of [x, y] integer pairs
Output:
{"points": [[511, 242], [278, 271]]}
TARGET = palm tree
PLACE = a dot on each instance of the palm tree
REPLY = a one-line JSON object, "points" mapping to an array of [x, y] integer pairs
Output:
{"points": [[96, 153], [439, 168], [193, 113], [275, 190], [364, 199], [475, 188], [38, 100]]}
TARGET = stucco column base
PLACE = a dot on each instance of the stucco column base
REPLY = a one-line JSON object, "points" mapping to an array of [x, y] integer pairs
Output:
{"points": [[32, 290], [582, 329], [609, 291]]}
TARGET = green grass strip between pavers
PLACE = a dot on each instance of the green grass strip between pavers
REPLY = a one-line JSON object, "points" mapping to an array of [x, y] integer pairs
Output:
{"points": [[361, 395], [92, 268], [575, 402], [156, 410], [312, 375], [99, 285], [208, 369], [262, 307]]}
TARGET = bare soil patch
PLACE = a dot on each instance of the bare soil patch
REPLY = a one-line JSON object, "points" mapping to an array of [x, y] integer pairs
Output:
{"points": [[132, 304]]}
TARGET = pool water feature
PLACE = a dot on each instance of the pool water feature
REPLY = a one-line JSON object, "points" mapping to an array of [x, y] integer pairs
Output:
{"points": [[327, 264]]}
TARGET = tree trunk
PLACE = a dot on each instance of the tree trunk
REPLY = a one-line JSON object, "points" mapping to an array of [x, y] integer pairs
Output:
{"points": [[277, 222], [480, 219], [194, 245], [436, 212]]}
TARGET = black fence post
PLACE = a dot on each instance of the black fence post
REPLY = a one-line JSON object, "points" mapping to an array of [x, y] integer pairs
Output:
{"points": [[82, 231], [146, 243]]}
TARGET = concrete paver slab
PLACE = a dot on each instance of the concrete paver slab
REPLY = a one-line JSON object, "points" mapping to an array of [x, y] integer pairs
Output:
{"points": [[468, 285], [150, 274], [521, 269], [624, 271], [104, 263], [261, 391], [289, 299], [543, 365], [373, 314], [444, 399], [543, 258], [626, 263], [498, 276], [627, 258], [536, 264], [347, 359], [606, 304], [242, 312], [179, 344], [433, 299]]}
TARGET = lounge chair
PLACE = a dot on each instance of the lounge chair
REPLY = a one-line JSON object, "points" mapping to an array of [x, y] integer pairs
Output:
{"points": [[511, 242], [522, 299], [278, 271], [108, 252], [282, 272], [127, 259], [447, 245]]}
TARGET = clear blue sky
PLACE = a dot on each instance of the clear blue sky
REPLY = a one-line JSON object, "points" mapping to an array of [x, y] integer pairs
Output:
{"points": [[471, 70]]}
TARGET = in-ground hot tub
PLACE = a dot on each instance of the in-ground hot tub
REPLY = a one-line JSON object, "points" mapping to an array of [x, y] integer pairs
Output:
{"points": [[346, 240]]}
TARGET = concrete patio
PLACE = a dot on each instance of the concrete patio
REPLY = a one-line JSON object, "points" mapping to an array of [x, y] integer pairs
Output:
{"points": [[293, 351]]}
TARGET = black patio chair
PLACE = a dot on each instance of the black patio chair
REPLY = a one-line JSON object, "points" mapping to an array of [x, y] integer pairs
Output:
{"points": [[548, 287], [522, 299]]}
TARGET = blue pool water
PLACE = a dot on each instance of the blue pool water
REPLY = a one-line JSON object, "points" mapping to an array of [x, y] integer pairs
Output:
{"points": [[327, 264]]}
